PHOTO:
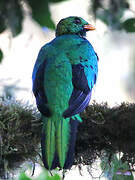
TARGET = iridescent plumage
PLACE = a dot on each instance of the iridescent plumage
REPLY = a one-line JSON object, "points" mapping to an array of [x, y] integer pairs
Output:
{"points": [[63, 77]]}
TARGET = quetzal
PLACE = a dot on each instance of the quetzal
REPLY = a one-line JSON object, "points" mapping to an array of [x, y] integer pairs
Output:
{"points": [[63, 77]]}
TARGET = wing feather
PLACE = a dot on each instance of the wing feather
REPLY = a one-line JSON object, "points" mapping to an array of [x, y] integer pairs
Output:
{"points": [[39, 91], [81, 94], [84, 76]]}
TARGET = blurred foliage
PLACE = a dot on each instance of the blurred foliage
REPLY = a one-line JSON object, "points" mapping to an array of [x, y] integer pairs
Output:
{"points": [[129, 25], [12, 13], [11, 16], [43, 176], [111, 12], [41, 12], [115, 169], [1, 55], [23, 176]]}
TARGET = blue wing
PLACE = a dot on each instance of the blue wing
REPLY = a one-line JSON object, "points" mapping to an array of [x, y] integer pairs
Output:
{"points": [[84, 77], [81, 93], [38, 89]]}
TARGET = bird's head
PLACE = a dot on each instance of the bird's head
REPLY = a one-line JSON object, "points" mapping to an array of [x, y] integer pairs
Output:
{"points": [[73, 25]]}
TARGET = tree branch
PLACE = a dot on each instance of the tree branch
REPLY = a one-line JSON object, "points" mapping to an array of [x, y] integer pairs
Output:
{"points": [[103, 129]]}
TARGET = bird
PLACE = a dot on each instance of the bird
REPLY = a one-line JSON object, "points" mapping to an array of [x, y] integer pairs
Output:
{"points": [[63, 77]]}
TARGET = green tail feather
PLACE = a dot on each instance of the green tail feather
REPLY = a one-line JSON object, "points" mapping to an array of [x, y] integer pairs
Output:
{"points": [[56, 141], [62, 140], [49, 130]]}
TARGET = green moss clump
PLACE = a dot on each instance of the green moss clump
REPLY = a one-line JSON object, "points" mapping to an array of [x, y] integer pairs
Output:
{"points": [[106, 129], [20, 131]]}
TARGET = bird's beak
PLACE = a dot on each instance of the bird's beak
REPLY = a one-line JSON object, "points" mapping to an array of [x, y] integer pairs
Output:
{"points": [[89, 27]]}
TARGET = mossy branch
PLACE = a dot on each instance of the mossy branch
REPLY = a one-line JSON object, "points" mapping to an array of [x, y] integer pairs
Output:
{"points": [[103, 129]]}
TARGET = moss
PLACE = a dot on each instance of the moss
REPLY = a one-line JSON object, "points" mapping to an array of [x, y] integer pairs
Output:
{"points": [[109, 129], [20, 129], [103, 129]]}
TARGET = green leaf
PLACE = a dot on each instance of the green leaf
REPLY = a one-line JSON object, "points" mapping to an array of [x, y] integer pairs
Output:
{"points": [[55, 177], [1, 55], [2, 16], [2, 24], [24, 177], [45, 176], [14, 16], [129, 25], [11, 16], [41, 13]]}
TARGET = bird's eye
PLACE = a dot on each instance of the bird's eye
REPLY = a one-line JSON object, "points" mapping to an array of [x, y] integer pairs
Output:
{"points": [[77, 21]]}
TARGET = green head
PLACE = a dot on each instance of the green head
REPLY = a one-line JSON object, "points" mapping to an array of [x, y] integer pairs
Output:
{"points": [[73, 25]]}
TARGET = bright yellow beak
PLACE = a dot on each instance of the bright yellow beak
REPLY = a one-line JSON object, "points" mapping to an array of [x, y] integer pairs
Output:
{"points": [[89, 27]]}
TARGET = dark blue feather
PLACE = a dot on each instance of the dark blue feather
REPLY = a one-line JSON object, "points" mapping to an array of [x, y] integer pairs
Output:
{"points": [[73, 134], [81, 93], [39, 91]]}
